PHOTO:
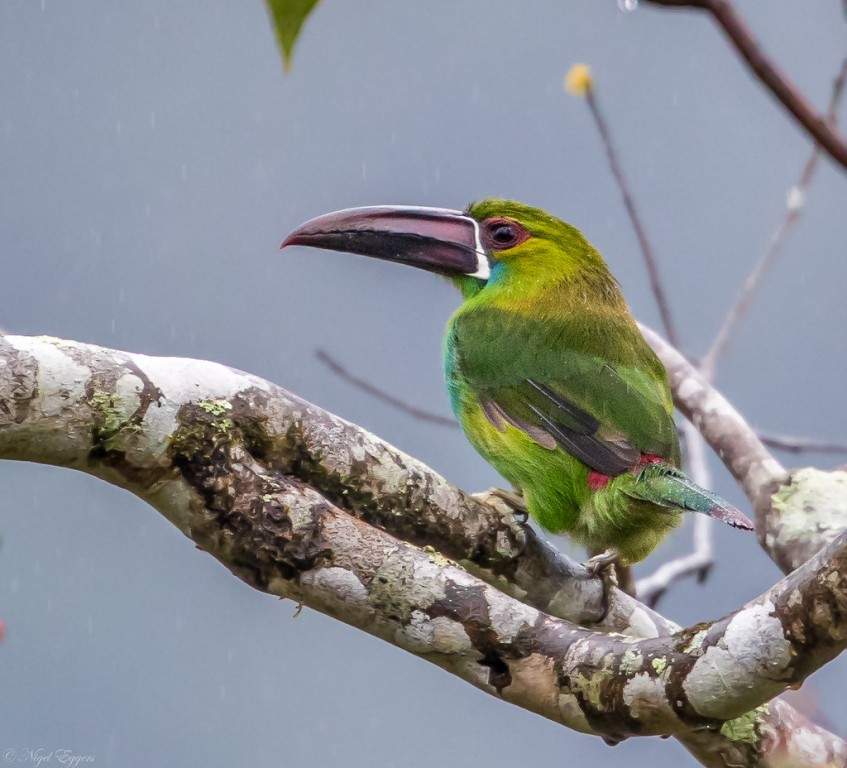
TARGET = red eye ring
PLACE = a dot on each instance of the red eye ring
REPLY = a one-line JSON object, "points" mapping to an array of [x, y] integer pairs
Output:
{"points": [[500, 233]]}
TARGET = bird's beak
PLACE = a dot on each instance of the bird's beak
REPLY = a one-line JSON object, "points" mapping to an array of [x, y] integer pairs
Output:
{"points": [[436, 239]]}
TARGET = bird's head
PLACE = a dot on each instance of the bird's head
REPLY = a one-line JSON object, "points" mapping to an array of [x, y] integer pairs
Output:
{"points": [[492, 240]]}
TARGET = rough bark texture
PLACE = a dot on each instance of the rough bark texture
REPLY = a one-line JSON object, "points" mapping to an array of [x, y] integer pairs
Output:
{"points": [[288, 498]]}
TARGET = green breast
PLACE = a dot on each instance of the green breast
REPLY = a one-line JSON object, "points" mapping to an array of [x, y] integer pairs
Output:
{"points": [[553, 483]]}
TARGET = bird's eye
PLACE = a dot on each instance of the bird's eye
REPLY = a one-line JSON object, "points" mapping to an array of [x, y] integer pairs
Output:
{"points": [[499, 234], [503, 234]]}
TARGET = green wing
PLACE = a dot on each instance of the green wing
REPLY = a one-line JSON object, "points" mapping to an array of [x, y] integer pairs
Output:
{"points": [[601, 396]]}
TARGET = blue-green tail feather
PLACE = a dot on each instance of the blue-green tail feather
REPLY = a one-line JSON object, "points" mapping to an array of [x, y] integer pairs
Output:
{"points": [[669, 487]]}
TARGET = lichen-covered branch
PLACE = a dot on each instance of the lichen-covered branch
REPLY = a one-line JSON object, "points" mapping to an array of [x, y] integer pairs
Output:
{"points": [[721, 426], [352, 468], [232, 461], [808, 511], [797, 512]]}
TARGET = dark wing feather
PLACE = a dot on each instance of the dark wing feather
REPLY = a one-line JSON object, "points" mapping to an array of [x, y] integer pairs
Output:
{"points": [[559, 422], [605, 413]]}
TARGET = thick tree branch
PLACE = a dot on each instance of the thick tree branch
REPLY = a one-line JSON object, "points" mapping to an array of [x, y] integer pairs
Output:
{"points": [[796, 513], [741, 37], [722, 427], [353, 468], [808, 511], [222, 455]]}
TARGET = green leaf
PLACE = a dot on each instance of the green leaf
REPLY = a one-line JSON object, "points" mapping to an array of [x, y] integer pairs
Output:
{"points": [[288, 17]]}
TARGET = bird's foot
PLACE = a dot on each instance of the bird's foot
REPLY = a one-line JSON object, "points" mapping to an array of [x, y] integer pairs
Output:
{"points": [[607, 566], [599, 563], [505, 501]]}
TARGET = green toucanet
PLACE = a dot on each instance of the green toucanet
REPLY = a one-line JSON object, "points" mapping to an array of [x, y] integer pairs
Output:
{"points": [[548, 374]]}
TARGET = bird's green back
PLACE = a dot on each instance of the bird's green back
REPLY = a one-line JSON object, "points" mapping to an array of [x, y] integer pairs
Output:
{"points": [[551, 317]]}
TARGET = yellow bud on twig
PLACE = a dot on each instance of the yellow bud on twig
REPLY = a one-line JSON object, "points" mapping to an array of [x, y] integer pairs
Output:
{"points": [[578, 81]]}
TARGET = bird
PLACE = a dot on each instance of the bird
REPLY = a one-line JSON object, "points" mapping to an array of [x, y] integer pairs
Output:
{"points": [[548, 373]]}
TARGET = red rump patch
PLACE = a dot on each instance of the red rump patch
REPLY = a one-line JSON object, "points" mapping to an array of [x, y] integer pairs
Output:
{"points": [[597, 481], [647, 458]]}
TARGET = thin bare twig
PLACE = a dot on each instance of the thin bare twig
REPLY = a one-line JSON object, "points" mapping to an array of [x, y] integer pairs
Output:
{"points": [[776, 81], [395, 402], [795, 205], [634, 218], [722, 427], [793, 444]]}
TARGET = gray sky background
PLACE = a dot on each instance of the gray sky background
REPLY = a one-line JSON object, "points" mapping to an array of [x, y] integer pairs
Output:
{"points": [[152, 157]]}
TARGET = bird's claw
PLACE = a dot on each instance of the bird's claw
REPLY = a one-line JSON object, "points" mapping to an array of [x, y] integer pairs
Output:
{"points": [[599, 563], [603, 567]]}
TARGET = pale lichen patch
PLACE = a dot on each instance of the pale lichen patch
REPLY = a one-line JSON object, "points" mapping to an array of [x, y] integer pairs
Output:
{"points": [[128, 389], [184, 380], [754, 637], [811, 497], [632, 661], [402, 585], [417, 634], [61, 380], [719, 684], [343, 585], [696, 642], [590, 687], [646, 698], [508, 618], [713, 676]]}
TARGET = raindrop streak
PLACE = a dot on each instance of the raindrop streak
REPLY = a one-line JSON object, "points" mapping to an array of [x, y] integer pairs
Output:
{"points": [[627, 5]]}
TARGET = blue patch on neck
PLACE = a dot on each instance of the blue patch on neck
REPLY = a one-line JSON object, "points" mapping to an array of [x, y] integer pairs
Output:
{"points": [[497, 272]]}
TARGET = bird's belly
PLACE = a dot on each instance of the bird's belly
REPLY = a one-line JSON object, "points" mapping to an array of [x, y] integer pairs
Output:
{"points": [[553, 483], [555, 488]]}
